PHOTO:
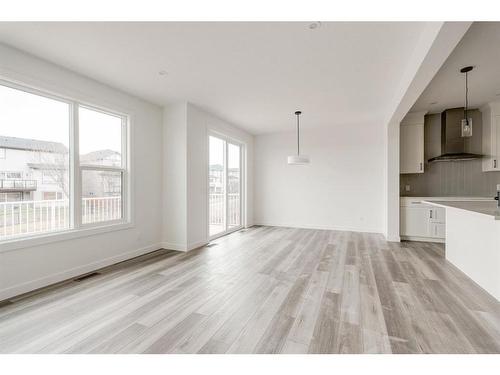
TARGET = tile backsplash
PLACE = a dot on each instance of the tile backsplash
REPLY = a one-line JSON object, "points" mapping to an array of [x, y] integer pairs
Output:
{"points": [[459, 178]]}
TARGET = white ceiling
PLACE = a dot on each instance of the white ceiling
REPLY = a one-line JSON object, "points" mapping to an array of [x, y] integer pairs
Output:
{"points": [[252, 74], [480, 47]]}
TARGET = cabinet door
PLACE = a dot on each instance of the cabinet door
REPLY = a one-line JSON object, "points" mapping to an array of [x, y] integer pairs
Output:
{"points": [[491, 141], [411, 148], [437, 230], [414, 221], [437, 215]]}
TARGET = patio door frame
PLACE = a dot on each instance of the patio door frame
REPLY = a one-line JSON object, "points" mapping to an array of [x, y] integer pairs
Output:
{"points": [[227, 140]]}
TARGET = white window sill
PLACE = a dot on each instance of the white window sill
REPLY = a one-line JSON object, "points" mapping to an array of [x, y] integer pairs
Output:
{"points": [[65, 235]]}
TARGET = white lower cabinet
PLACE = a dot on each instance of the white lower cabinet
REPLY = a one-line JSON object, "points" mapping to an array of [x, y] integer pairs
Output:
{"points": [[421, 222], [437, 230], [414, 221]]}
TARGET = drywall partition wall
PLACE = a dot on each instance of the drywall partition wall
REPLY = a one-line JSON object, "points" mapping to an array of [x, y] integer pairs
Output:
{"points": [[342, 187], [391, 180], [186, 129], [435, 44], [200, 123], [175, 176], [25, 269]]}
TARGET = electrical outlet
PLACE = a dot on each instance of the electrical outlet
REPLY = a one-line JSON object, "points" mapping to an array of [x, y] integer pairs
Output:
{"points": [[407, 188]]}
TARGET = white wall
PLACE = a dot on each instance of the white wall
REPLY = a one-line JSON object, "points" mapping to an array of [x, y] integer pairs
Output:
{"points": [[174, 230], [391, 183], [186, 129], [342, 188], [32, 267]]}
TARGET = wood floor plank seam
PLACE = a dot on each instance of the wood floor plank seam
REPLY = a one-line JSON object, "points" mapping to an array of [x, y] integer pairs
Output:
{"points": [[264, 290]]}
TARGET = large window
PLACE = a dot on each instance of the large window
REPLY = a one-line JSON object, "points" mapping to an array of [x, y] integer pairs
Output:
{"points": [[63, 164]]}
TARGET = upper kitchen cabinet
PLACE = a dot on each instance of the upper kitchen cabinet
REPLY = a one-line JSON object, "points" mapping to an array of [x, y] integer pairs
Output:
{"points": [[491, 137], [411, 159]]}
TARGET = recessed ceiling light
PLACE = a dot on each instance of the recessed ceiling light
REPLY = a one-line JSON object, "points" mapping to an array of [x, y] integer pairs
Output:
{"points": [[163, 72], [315, 25]]}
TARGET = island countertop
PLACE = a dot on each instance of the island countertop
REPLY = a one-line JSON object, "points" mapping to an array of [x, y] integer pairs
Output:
{"points": [[482, 207]]}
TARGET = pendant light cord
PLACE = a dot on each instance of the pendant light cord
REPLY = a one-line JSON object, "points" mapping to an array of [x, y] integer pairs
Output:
{"points": [[466, 99], [298, 136]]}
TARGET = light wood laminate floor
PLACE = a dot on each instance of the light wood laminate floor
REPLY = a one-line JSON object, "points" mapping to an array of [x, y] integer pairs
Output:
{"points": [[264, 290]]}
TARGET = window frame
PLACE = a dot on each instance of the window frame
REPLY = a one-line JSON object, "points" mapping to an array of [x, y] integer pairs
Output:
{"points": [[79, 168], [76, 229]]}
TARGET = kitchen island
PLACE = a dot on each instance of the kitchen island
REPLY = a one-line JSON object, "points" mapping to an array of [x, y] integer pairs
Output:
{"points": [[473, 240]]}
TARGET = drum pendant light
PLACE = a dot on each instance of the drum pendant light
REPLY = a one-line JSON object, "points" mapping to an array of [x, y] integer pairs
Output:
{"points": [[298, 159]]}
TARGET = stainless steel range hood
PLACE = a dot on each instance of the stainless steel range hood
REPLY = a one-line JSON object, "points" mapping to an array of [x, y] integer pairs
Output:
{"points": [[454, 147]]}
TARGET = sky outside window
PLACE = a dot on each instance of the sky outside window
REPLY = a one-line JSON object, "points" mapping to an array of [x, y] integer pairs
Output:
{"points": [[24, 115]]}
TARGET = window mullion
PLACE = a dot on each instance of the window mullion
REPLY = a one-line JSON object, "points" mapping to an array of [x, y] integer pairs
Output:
{"points": [[226, 182], [125, 199], [76, 201]]}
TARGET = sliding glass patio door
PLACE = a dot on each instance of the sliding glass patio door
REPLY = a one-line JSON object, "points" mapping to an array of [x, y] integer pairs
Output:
{"points": [[224, 200]]}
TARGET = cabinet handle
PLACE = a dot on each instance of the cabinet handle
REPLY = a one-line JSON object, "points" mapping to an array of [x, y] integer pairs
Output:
{"points": [[494, 163], [420, 166], [430, 214]]}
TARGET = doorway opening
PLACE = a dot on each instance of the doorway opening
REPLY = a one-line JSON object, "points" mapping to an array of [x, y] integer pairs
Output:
{"points": [[224, 186]]}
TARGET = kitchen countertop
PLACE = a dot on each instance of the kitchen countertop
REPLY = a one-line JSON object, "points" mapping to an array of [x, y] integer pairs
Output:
{"points": [[483, 207], [428, 198]]}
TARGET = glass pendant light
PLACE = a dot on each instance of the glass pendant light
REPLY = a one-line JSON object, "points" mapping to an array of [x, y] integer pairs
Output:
{"points": [[466, 124], [298, 159]]}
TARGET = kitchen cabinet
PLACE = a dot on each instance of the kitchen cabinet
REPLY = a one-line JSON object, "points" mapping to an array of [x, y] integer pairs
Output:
{"points": [[436, 214], [414, 221], [491, 137], [437, 230], [411, 143], [421, 222]]}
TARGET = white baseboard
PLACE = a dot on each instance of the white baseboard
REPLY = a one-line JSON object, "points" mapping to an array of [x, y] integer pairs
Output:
{"points": [[195, 245], [423, 239], [324, 227], [183, 247], [29, 286], [392, 238], [173, 246]]}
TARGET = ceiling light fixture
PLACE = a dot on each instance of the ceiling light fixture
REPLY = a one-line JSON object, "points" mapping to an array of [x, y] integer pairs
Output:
{"points": [[298, 159], [466, 121]]}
